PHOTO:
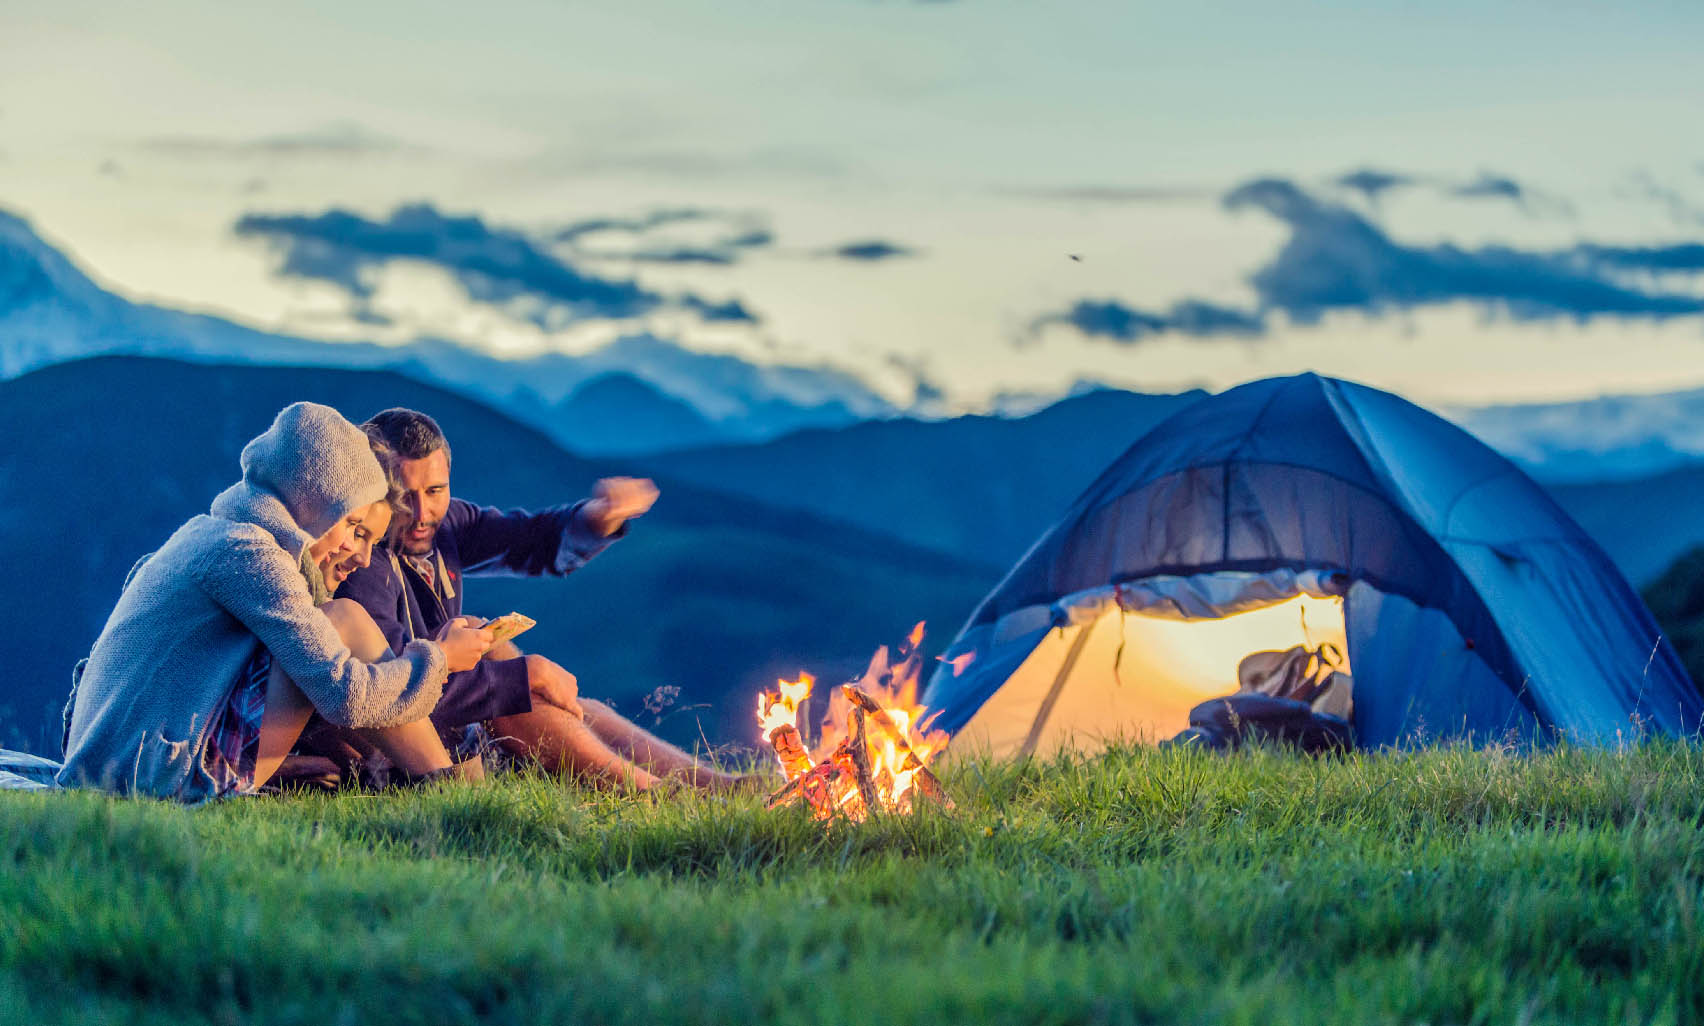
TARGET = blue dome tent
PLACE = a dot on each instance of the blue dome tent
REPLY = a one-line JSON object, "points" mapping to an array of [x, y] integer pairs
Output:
{"points": [[1302, 510]]}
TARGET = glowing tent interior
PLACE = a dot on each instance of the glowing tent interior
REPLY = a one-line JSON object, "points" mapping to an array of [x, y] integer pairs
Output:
{"points": [[1295, 511]]}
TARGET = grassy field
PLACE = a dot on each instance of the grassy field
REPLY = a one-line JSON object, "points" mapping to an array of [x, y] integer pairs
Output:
{"points": [[1446, 886]]}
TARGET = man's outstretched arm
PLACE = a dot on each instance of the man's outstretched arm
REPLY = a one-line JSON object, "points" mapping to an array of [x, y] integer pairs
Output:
{"points": [[555, 541]]}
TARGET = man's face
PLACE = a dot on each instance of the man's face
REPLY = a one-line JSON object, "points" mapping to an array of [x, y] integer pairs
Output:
{"points": [[426, 493]]}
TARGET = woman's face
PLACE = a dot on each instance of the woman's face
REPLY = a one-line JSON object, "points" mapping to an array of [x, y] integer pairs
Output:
{"points": [[348, 546]]}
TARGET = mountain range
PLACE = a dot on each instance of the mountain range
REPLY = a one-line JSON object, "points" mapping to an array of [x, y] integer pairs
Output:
{"points": [[717, 596], [643, 394], [984, 489], [51, 311]]}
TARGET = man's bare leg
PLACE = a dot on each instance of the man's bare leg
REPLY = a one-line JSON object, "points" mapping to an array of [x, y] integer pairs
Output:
{"points": [[650, 751], [567, 734], [555, 732]]}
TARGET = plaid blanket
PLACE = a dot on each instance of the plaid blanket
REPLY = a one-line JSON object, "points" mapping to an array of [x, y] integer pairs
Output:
{"points": [[233, 740]]}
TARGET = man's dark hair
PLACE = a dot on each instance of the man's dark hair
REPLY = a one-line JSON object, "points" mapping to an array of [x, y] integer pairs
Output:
{"points": [[411, 434]]}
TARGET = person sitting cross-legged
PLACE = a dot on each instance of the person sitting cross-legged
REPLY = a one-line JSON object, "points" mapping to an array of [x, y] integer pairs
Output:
{"points": [[414, 587]]}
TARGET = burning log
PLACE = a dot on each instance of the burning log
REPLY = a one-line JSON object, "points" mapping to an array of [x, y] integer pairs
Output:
{"points": [[859, 751], [790, 749], [924, 780]]}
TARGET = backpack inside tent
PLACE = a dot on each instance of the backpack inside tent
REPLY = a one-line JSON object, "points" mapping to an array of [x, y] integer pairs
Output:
{"points": [[1298, 519]]}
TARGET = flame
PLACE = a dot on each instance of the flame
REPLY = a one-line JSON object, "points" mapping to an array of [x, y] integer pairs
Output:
{"points": [[897, 740], [780, 708]]}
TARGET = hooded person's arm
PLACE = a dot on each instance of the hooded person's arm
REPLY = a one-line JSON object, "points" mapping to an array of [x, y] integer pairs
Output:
{"points": [[259, 585]]}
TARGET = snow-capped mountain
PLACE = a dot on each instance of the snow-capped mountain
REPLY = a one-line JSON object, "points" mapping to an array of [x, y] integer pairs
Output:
{"points": [[50, 312]]}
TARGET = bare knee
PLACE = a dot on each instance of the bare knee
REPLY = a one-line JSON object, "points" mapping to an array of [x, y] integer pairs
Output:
{"points": [[357, 629]]}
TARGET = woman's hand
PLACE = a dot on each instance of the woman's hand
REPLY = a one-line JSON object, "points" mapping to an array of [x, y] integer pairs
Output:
{"points": [[464, 644]]}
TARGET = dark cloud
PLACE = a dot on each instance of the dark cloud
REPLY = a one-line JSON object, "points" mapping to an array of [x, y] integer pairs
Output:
{"points": [[720, 252], [343, 139], [753, 239], [1490, 186], [683, 255], [1337, 260], [1113, 320], [631, 225], [1372, 182], [870, 250], [494, 265], [1686, 257], [728, 312]]}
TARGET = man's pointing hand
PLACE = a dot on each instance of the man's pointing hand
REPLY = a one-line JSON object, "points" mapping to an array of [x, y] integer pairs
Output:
{"points": [[615, 501]]}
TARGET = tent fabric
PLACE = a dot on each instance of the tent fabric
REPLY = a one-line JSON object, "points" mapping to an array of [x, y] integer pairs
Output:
{"points": [[1114, 671], [1510, 617]]}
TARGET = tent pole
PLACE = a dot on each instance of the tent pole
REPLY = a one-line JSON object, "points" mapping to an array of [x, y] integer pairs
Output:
{"points": [[1077, 645]]}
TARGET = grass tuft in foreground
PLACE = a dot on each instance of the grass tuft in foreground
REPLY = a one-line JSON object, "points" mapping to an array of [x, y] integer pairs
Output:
{"points": [[1444, 886]]}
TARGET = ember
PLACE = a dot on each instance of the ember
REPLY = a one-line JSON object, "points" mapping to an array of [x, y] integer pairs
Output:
{"points": [[875, 746]]}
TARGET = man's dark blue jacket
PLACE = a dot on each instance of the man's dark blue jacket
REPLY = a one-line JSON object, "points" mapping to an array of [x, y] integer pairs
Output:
{"points": [[472, 541]]}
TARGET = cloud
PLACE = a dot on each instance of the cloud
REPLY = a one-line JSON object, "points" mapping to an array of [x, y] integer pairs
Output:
{"points": [[493, 265], [1681, 210], [1371, 182], [741, 234], [679, 256], [338, 139], [870, 250], [1110, 319], [1490, 186], [728, 312], [1337, 260], [630, 225], [1686, 257]]}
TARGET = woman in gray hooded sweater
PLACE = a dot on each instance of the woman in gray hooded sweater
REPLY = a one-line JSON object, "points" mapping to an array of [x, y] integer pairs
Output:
{"points": [[216, 653]]}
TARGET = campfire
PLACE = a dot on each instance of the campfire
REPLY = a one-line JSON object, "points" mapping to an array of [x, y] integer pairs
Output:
{"points": [[873, 752]]}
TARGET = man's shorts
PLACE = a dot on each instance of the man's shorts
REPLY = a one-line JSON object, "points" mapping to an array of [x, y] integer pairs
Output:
{"points": [[496, 687]]}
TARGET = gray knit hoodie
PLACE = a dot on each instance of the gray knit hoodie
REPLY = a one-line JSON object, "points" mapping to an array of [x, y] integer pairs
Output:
{"points": [[221, 586]]}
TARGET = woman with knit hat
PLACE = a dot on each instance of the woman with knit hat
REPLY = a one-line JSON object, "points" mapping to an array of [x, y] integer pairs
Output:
{"points": [[217, 653]]}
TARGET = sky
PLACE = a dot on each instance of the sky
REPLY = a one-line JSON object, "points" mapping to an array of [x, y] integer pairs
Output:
{"points": [[1464, 202]]}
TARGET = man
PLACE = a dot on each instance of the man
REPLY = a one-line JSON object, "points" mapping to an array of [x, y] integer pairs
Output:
{"points": [[413, 589]]}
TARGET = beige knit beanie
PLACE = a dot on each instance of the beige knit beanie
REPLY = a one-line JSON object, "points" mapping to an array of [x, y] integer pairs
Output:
{"points": [[317, 463]]}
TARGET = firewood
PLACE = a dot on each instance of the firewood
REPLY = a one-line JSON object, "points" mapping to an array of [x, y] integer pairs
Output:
{"points": [[924, 780], [789, 793], [795, 760], [859, 749]]}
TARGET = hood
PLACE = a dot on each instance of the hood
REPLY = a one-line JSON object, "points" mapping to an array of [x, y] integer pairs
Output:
{"points": [[303, 474]]}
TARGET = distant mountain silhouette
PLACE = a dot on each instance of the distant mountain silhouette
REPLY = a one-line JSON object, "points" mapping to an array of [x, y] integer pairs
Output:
{"points": [[984, 489], [1644, 523], [103, 458], [981, 488], [618, 413]]}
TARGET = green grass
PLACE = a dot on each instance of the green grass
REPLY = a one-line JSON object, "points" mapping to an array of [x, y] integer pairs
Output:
{"points": [[1447, 886]]}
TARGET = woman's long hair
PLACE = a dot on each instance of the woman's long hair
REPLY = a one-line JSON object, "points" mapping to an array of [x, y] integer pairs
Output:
{"points": [[388, 459]]}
